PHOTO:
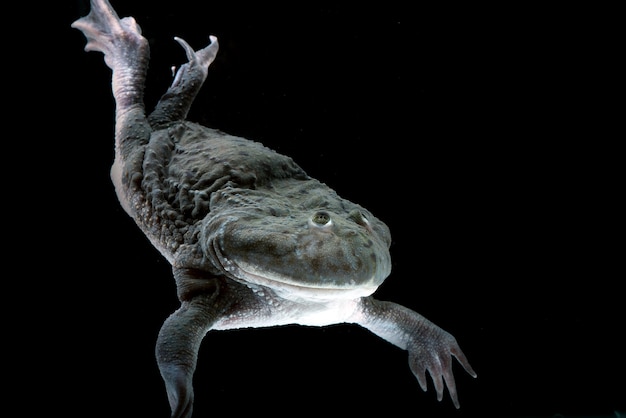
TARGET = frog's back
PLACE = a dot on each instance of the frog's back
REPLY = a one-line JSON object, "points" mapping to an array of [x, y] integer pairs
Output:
{"points": [[185, 163]]}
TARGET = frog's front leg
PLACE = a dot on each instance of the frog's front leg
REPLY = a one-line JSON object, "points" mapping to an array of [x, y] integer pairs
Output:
{"points": [[430, 348]]}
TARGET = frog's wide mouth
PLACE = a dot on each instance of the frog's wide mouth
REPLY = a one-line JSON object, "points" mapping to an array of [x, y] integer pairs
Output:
{"points": [[288, 286]]}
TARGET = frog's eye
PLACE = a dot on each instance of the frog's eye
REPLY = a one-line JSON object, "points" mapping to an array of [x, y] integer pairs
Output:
{"points": [[358, 217], [321, 219]]}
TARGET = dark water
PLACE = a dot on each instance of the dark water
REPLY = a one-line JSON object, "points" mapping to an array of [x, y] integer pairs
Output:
{"points": [[469, 131]]}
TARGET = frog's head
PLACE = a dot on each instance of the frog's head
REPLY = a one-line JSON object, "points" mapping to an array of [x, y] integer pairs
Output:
{"points": [[301, 240]]}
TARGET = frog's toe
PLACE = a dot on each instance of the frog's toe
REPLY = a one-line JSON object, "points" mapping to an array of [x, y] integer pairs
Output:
{"points": [[105, 32], [176, 102], [202, 57], [179, 389]]}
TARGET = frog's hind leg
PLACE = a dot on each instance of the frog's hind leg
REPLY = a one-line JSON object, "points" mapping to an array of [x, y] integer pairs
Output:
{"points": [[175, 103], [127, 53], [203, 301]]}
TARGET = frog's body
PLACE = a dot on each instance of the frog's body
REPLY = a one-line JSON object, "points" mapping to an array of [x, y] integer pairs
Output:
{"points": [[253, 240]]}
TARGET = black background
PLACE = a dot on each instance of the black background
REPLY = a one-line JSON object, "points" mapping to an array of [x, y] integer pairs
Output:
{"points": [[477, 134]]}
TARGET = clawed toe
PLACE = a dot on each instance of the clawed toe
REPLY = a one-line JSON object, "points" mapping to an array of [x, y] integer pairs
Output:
{"points": [[120, 40]]}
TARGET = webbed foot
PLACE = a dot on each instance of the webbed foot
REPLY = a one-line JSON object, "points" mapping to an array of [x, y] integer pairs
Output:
{"points": [[176, 102], [177, 353], [125, 50], [198, 60], [182, 333], [179, 388]]}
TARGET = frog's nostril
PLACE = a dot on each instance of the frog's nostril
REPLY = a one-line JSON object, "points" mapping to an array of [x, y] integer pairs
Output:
{"points": [[321, 219], [358, 217]]}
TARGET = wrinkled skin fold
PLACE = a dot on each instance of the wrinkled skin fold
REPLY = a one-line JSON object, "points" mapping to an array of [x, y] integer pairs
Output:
{"points": [[253, 240]]}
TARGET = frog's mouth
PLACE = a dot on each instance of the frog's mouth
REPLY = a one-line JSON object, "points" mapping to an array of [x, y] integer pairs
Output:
{"points": [[318, 253], [288, 287]]}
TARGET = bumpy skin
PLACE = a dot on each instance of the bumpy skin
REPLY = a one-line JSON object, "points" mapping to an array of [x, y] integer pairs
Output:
{"points": [[253, 241]]}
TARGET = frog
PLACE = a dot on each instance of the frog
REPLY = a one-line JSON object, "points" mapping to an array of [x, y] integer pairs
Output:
{"points": [[253, 241]]}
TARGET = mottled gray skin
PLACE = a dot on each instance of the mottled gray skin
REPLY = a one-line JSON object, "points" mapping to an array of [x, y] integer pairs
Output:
{"points": [[253, 240]]}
